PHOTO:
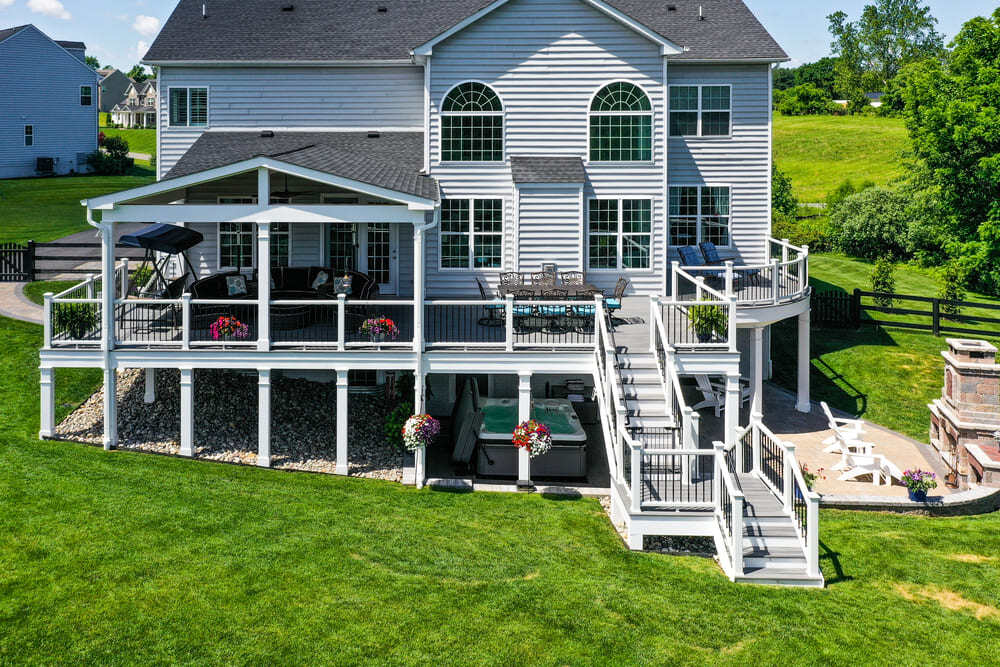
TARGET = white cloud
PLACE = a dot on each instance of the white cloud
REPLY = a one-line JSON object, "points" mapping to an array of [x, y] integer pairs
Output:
{"points": [[140, 49], [146, 25], [52, 8], [6, 3]]}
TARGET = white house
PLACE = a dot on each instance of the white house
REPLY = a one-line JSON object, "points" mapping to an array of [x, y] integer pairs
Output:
{"points": [[48, 104], [138, 108], [522, 186]]}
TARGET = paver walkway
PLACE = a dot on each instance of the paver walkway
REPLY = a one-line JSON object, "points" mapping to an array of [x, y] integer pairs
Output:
{"points": [[14, 304]]}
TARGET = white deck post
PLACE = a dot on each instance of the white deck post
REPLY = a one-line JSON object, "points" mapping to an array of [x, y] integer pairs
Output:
{"points": [[729, 278], [758, 370], [788, 493], [674, 280], [125, 279], [732, 416], [635, 481], [523, 414], [694, 421], [341, 322], [419, 407], [150, 394], [47, 420], [812, 539], [802, 404], [653, 315], [186, 321], [418, 288], [755, 421], [508, 305], [187, 412], [342, 399], [110, 440], [775, 281], [107, 289], [47, 319], [264, 418], [263, 284]]}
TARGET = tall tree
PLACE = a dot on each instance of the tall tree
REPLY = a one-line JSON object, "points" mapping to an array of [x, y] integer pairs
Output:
{"points": [[138, 74], [889, 35], [93, 63]]}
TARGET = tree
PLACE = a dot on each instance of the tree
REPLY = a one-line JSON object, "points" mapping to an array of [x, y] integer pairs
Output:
{"points": [[784, 78], [871, 224], [889, 35], [782, 199], [803, 100], [93, 63], [138, 74], [821, 74]]}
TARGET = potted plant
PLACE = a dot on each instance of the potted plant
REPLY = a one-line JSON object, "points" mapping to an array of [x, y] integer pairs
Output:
{"points": [[228, 328], [918, 483], [707, 320], [810, 477], [420, 431], [534, 437], [78, 320], [379, 329]]}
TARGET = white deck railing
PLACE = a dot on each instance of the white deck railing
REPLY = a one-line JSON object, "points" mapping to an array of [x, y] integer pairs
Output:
{"points": [[783, 278], [72, 318]]}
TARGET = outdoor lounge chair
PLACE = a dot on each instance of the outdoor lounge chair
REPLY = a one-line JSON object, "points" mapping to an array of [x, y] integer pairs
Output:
{"points": [[876, 465], [844, 430], [712, 257], [691, 257], [714, 394]]}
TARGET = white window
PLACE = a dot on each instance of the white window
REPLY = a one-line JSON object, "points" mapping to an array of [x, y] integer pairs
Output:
{"points": [[281, 238], [472, 124], [237, 248], [699, 214], [471, 234], [621, 124], [701, 111], [29, 135], [188, 107], [86, 96], [619, 234]]}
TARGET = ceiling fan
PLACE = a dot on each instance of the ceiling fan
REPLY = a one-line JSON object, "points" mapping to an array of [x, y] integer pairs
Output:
{"points": [[288, 194]]}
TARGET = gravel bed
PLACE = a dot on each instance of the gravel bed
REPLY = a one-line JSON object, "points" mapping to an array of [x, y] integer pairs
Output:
{"points": [[303, 426]]}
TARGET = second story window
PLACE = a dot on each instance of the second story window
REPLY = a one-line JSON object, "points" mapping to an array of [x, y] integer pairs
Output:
{"points": [[29, 135], [699, 213], [188, 107], [471, 234], [471, 124], [619, 234], [700, 111], [86, 96], [621, 124]]}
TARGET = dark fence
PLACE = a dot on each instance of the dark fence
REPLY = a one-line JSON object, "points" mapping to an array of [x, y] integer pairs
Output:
{"points": [[32, 261], [17, 262]]}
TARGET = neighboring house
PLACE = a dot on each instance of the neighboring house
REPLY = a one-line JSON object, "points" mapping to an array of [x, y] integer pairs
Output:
{"points": [[114, 87], [48, 104], [441, 151], [138, 108]]}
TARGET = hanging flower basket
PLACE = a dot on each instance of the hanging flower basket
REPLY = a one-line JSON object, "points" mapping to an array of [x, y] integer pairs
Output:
{"points": [[379, 329], [228, 328], [420, 431], [534, 437]]}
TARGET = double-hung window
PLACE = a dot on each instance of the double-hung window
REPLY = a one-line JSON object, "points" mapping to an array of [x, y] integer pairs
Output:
{"points": [[471, 234], [280, 237], [236, 239], [700, 111], [699, 214], [86, 96], [29, 135], [472, 124], [619, 233], [188, 107], [621, 124]]}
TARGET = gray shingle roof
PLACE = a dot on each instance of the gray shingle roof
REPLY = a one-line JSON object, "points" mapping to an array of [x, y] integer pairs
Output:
{"points": [[393, 160], [10, 32], [336, 30], [71, 45], [546, 169]]}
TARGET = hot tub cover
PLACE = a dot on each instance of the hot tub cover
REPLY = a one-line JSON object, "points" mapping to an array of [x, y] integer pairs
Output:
{"points": [[163, 238]]}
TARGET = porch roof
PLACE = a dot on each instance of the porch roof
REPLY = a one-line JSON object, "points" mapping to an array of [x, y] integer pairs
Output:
{"points": [[547, 169], [390, 160]]}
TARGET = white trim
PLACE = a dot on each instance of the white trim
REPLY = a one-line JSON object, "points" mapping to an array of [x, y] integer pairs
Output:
{"points": [[666, 176], [208, 106], [698, 235], [652, 124], [699, 111], [280, 63], [666, 46], [442, 114], [471, 233], [91, 96], [619, 236], [770, 157], [730, 61], [427, 115], [294, 214], [26, 134]]}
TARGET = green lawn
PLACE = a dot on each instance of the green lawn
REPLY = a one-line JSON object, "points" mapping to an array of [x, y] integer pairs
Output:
{"points": [[45, 209], [116, 557], [820, 152], [888, 375], [139, 141]]}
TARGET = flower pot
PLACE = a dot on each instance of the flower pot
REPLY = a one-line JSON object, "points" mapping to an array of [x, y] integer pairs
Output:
{"points": [[376, 338], [704, 337], [919, 496]]}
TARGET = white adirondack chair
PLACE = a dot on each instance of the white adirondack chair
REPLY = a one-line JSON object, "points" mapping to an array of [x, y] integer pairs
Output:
{"points": [[844, 430], [714, 394], [876, 465]]}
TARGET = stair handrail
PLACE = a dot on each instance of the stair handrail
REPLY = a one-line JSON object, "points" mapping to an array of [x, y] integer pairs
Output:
{"points": [[669, 378], [607, 365], [729, 502]]}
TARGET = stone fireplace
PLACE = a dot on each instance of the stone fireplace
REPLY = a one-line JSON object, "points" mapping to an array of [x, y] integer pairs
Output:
{"points": [[966, 417]]}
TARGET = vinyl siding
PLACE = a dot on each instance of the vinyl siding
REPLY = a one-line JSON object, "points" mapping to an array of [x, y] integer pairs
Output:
{"points": [[334, 97], [741, 161], [549, 229], [546, 59], [45, 93]]}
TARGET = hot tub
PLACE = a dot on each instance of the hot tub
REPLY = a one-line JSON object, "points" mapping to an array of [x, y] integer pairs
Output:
{"points": [[498, 456]]}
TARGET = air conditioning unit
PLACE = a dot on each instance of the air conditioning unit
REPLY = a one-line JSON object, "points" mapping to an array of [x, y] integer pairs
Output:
{"points": [[45, 166]]}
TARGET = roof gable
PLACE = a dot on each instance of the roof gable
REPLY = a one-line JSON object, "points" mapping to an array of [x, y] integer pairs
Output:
{"points": [[60, 47]]}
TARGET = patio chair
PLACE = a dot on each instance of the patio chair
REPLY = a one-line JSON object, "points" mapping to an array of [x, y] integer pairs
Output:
{"points": [[714, 393], [510, 281], [526, 317], [581, 317], [876, 465], [543, 279], [571, 277], [690, 257], [493, 312], [556, 315], [712, 258], [844, 430], [613, 303]]}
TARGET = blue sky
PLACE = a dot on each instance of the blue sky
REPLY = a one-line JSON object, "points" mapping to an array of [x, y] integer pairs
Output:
{"points": [[119, 31]]}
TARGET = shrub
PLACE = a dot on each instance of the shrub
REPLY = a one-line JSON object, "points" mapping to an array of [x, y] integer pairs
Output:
{"points": [[394, 423], [782, 199], [100, 139], [884, 280], [804, 100], [837, 196], [116, 147], [141, 276], [811, 230], [113, 160], [870, 224], [77, 320], [952, 288]]}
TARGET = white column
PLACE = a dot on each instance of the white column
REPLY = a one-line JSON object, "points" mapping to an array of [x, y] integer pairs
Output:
{"points": [[107, 288], [523, 414], [418, 289], [187, 412], [47, 421], [803, 404], [758, 370], [732, 417], [419, 407], [264, 418], [110, 408], [264, 284], [150, 395], [342, 467]]}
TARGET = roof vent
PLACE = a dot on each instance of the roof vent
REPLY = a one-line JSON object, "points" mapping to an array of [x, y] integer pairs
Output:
{"points": [[204, 10], [701, 13], [267, 134], [288, 8], [374, 134], [671, 8], [382, 10]]}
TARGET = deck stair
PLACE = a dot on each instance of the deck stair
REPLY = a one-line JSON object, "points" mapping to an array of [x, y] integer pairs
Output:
{"points": [[642, 389]]}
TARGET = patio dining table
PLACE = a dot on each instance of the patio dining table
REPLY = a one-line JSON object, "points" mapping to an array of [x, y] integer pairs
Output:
{"points": [[572, 290]]}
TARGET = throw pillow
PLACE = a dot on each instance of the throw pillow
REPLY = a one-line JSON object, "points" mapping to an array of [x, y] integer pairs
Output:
{"points": [[321, 279], [236, 286]]}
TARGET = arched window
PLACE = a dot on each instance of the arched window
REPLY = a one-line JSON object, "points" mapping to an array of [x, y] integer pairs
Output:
{"points": [[472, 124], [621, 124]]}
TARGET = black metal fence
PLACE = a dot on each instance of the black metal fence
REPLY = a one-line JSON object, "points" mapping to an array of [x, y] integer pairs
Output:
{"points": [[17, 262]]}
